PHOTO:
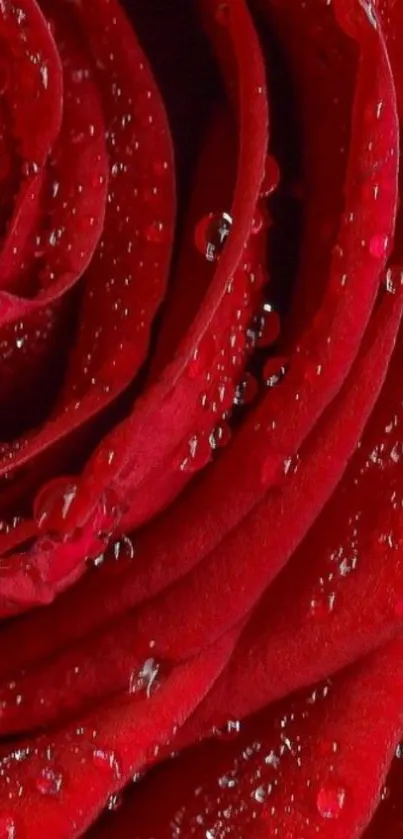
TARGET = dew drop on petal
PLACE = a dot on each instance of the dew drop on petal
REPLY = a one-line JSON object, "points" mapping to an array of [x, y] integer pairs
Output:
{"points": [[53, 502], [260, 794], [393, 279], [260, 221], [330, 801], [291, 464], [229, 731], [8, 828], [145, 680], [123, 549], [246, 390], [274, 371], [220, 436], [211, 234], [49, 781], [399, 751], [30, 169], [106, 760], [385, 793], [268, 326], [115, 801], [322, 605], [197, 454]]}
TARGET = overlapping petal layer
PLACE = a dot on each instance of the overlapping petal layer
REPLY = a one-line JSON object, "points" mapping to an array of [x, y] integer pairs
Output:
{"points": [[205, 500]]}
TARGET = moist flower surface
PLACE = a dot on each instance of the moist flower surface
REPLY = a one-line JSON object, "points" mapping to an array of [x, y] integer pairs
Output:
{"points": [[201, 410]]}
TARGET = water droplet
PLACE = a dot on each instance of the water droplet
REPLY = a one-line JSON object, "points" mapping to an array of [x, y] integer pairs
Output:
{"points": [[30, 169], [399, 751], [198, 454], [322, 605], [115, 801], [145, 680], [393, 279], [271, 178], [220, 436], [260, 221], [330, 801], [8, 828], [274, 371], [246, 390], [123, 549], [105, 759], [262, 793], [291, 464], [53, 502], [49, 781], [228, 781], [211, 234], [378, 246], [267, 326], [229, 731], [385, 793]]}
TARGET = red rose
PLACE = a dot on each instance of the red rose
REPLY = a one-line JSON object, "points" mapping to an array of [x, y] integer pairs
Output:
{"points": [[201, 581]]}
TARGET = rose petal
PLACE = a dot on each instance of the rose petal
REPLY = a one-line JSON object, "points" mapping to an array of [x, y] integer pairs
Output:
{"points": [[294, 770]]}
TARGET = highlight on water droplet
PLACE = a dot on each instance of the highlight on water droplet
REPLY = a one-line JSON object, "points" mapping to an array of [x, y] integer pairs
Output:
{"points": [[267, 326], [330, 801], [146, 679], [211, 234], [30, 169], [220, 436], [229, 731], [393, 279], [53, 502], [114, 801], [260, 221], [8, 827], [261, 793], [123, 549], [49, 781], [197, 454], [274, 371], [246, 391], [106, 759], [322, 605]]}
